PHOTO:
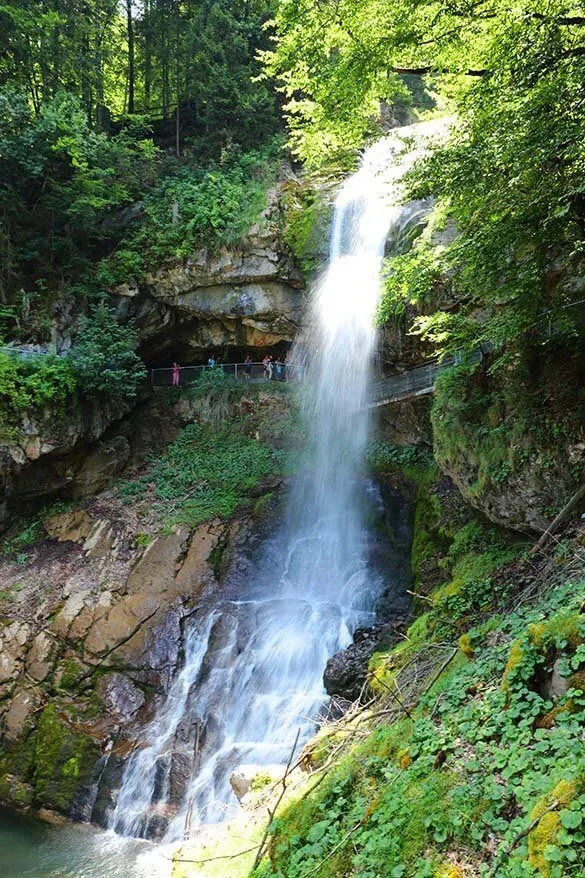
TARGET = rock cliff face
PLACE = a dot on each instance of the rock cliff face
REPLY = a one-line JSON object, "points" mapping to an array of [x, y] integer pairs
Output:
{"points": [[67, 452], [244, 298], [77, 453], [94, 638], [247, 297]]}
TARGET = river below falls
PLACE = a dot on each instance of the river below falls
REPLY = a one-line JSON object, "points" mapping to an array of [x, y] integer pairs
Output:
{"points": [[30, 847]]}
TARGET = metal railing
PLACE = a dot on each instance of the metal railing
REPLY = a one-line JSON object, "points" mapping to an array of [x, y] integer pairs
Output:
{"points": [[24, 352], [244, 372], [415, 382], [418, 381]]}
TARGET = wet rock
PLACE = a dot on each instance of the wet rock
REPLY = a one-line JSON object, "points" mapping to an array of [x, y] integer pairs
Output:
{"points": [[252, 778], [14, 793], [121, 697], [153, 650], [52, 817], [181, 766], [347, 671], [108, 784]]}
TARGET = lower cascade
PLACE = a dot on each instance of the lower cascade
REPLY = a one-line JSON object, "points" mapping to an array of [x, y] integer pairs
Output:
{"points": [[251, 684]]}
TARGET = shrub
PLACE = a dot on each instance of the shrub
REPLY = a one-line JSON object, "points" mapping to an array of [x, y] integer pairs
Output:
{"points": [[30, 384], [103, 357]]}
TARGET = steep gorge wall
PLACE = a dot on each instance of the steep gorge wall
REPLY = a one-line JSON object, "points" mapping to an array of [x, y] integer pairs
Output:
{"points": [[244, 298]]}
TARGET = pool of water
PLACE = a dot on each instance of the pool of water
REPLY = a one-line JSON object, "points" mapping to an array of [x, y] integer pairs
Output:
{"points": [[29, 847]]}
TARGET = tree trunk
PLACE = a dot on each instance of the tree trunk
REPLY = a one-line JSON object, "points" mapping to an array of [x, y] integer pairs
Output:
{"points": [[131, 75]]}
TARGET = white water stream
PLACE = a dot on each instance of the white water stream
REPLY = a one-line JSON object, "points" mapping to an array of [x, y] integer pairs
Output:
{"points": [[253, 666]]}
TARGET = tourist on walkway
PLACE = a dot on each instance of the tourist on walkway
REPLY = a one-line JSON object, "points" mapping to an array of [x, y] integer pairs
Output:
{"points": [[279, 369], [267, 363], [176, 374], [211, 362], [248, 368]]}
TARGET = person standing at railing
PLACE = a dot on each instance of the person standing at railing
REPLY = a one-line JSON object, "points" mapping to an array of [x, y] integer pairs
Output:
{"points": [[267, 363], [211, 362], [176, 374], [279, 366], [248, 369]]}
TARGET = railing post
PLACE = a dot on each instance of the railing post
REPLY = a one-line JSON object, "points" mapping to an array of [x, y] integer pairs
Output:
{"points": [[236, 372]]}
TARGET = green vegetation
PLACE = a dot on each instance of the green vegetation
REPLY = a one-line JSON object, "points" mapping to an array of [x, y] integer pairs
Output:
{"points": [[55, 760], [510, 176], [191, 484], [413, 460], [492, 424], [130, 137], [102, 364], [485, 774], [31, 384], [307, 211], [215, 204], [195, 61], [218, 463], [62, 760], [103, 358]]}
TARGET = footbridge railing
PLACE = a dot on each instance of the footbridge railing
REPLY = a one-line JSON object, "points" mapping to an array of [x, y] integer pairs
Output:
{"points": [[418, 381], [240, 371]]}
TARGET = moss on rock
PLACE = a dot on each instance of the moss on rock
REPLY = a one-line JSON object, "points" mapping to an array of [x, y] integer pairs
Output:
{"points": [[63, 760]]}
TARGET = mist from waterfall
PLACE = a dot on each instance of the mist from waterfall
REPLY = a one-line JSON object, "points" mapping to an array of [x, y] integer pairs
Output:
{"points": [[254, 665]]}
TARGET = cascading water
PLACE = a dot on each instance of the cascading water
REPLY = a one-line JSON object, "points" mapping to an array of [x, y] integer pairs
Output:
{"points": [[253, 666]]}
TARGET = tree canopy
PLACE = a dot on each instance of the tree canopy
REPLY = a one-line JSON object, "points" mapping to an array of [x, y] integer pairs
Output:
{"points": [[194, 61], [511, 177]]}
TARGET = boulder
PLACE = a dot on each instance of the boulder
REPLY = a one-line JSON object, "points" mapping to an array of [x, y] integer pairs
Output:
{"points": [[252, 778], [346, 672], [100, 466], [72, 526], [13, 645]]}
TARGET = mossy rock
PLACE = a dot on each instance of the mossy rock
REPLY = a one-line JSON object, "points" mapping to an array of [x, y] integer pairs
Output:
{"points": [[260, 781], [546, 832], [70, 672], [63, 760], [560, 635], [449, 870], [15, 793]]}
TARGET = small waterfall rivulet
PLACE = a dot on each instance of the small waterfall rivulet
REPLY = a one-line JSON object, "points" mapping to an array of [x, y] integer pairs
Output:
{"points": [[253, 666]]}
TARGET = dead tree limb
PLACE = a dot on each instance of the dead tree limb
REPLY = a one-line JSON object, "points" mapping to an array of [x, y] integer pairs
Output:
{"points": [[272, 811], [563, 515], [516, 841]]}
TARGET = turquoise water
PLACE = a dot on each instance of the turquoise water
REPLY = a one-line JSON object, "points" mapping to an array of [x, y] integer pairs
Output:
{"points": [[28, 847]]}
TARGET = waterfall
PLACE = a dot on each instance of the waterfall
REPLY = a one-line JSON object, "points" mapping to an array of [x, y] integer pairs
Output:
{"points": [[254, 665]]}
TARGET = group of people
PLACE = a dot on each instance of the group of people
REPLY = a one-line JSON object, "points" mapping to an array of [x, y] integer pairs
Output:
{"points": [[275, 368]]}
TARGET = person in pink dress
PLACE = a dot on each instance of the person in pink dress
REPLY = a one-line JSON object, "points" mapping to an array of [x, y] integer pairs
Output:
{"points": [[176, 374]]}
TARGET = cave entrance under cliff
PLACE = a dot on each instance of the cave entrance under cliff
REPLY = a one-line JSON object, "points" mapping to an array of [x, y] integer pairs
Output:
{"points": [[183, 354]]}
